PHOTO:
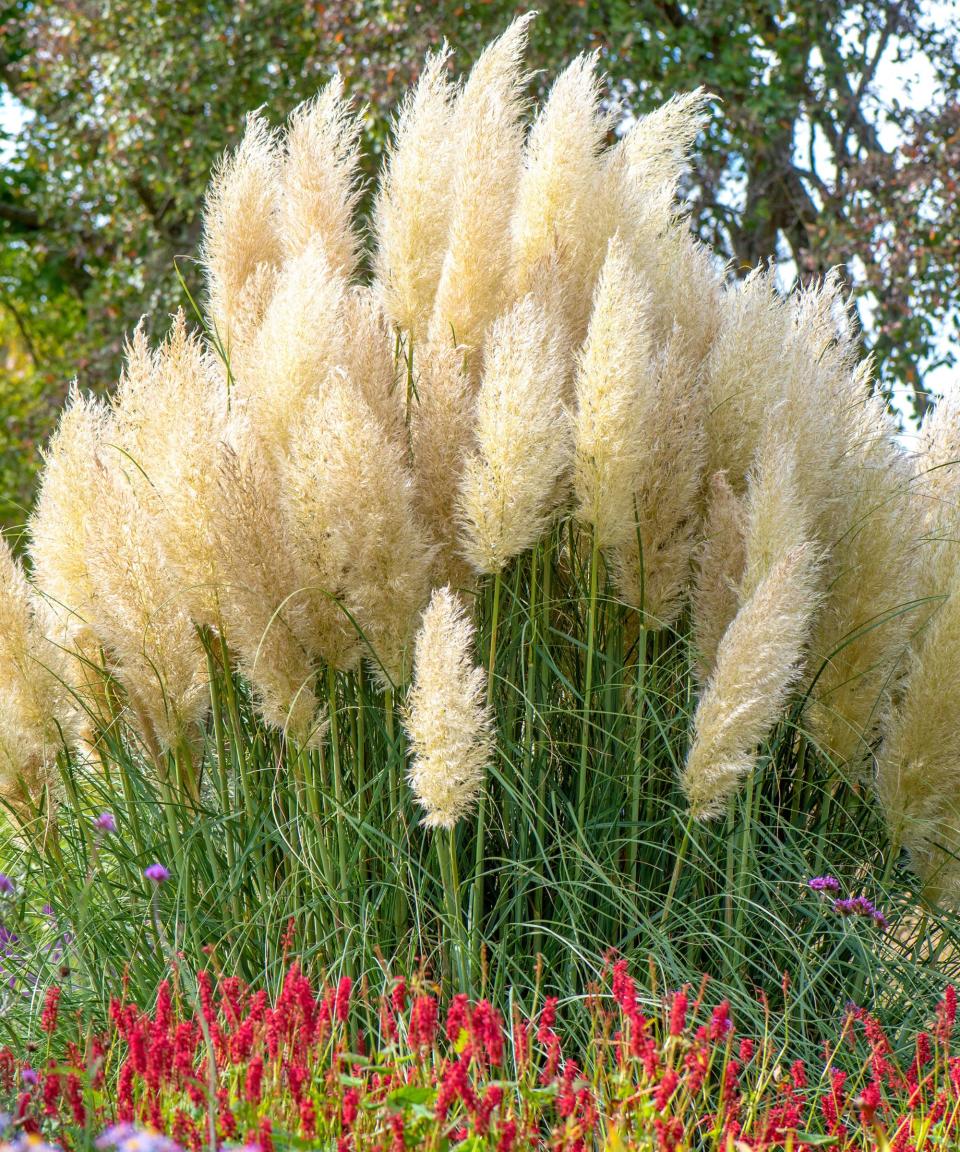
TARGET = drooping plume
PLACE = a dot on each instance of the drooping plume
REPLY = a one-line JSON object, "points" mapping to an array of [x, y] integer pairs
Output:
{"points": [[511, 481], [412, 212], [720, 560], [240, 237], [616, 369], [447, 719], [758, 663], [319, 179], [488, 140]]}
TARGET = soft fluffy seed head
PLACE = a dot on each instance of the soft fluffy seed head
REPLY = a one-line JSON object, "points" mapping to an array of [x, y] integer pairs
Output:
{"points": [[66, 506], [758, 662], [777, 518], [557, 221], [442, 431], [264, 606], [488, 140], [412, 212], [653, 568], [936, 492], [616, 369], [137, 611], [37, 716], [511, 482], [368, 359], [300, 340], [348, 502], [742, 372], [918, 767], [318, 179], [239, 225], [447, 719], [655, 150], [720, 560], [169, 415]]}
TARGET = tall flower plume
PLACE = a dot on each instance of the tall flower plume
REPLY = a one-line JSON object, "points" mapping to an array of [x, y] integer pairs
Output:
{"points": [[511, 482], [615, 367], [720, 560], [447, 718], [488, 136], [412, 212], [758, 663], [318, 179]]}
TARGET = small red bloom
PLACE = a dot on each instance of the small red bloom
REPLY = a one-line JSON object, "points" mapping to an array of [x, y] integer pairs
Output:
{"points": [[51, 1005]]}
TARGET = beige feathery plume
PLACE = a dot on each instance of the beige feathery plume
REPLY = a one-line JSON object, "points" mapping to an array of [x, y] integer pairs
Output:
{"points": [[319, 183], [239, 227], [368, 358], [411, 215], [777, 518], [653, 569], [300, 340], [37, 717], [918, 767], [348, 503], [556, 220], [488, 140], [936, 495], [720, 559], [265, 609], [742, 372], [654, 152], [137, 611], [616, 367], [758, 663], [864, 629], [447, 720], [442, 433], [511, 482], [169, 418], [67, 502]]}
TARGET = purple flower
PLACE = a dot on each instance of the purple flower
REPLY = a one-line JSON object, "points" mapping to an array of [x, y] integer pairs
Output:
{"points": [[860, 906], [129, 1138], [6, 884], [157, 873], [824, 884], [47, 910], [105, 822], [30, 1077]]}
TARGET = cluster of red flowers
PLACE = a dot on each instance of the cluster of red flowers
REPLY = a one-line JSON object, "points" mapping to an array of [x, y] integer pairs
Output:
{"points": [[388, 1072]]}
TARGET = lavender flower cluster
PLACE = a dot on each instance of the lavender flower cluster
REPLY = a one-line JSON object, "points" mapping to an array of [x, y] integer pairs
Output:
{"points": [[850, 905]]}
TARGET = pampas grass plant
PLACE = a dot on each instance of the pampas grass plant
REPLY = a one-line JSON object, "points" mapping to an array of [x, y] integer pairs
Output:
{"points": [[504, 514]]}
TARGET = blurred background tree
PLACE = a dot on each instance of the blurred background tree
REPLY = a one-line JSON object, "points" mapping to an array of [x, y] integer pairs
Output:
{"points": [[115, 110]]}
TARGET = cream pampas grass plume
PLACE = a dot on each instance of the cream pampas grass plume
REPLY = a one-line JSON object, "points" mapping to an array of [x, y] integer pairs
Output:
{"points": [[300, 340], [37, 714], [616, 367], [447, 718], [442, 431], [348, 503], [263, 602], [758, 663], [918, 767], [720, 560], [318, 176], [412, 212], [488, 140], [367, 357], [169, 416], [511, 482], [936, 491], [240, 238], [654, 152], [557, 223], [777, 518], [653, 568], [66, 505]]}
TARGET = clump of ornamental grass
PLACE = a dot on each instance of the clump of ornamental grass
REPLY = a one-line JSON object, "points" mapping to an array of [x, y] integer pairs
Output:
{"points": [[524, 587]]}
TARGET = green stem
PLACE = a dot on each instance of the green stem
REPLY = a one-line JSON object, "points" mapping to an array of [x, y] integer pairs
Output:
{"points": [[637, 778], [677, 867], [338, 784], [588, 685], [476, 911]]}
